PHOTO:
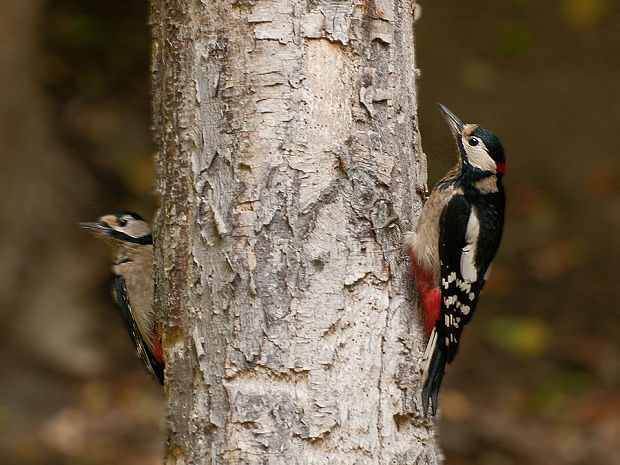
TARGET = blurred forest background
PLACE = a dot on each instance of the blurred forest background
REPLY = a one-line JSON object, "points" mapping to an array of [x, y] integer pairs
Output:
{"points": [[538, 375]]}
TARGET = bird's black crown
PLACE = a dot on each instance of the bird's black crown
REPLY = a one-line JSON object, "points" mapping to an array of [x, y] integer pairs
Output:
{"points": [[492, 143]]}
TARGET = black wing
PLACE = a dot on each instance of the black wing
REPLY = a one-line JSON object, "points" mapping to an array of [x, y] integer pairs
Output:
{"points": [[144, 352], [459, 295]]}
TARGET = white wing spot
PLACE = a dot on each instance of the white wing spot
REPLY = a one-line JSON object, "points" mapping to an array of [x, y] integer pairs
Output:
{"points": [[465, 309], [447, 342], [463, 285], [447, 320], [448, 301], [472, 296]]}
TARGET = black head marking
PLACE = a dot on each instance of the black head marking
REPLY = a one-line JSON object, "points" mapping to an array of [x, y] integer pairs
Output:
{"points": [[135, 216], [492, 143], [123, 226]]}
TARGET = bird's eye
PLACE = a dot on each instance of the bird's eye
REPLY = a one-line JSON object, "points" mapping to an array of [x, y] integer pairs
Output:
{"points": [[473, 141], [122, 222]]}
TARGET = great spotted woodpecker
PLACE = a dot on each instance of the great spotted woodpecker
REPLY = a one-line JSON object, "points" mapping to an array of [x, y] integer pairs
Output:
{"points": [[131, 241], [456, 238]]}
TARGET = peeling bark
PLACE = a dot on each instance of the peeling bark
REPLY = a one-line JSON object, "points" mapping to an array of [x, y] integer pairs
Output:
{"points": [[289, 161]]}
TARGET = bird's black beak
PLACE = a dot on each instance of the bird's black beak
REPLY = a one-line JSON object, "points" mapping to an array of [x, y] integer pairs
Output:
{"points": [[455, 124], [100, 227]]}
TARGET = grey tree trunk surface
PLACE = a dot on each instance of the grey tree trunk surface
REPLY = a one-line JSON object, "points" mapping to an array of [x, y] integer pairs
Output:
{"points": [[289, 165]]}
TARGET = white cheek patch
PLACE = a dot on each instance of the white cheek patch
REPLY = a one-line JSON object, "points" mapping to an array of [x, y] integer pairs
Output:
{"points": [[479, 157], [468, 254], [136, 228]]}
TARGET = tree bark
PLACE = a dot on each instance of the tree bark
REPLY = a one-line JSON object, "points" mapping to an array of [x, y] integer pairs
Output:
{"points": [[289, 163]]}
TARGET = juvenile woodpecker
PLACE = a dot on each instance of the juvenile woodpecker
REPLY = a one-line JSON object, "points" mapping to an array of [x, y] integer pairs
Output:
{"points": [[129, 237], [455, 240]]}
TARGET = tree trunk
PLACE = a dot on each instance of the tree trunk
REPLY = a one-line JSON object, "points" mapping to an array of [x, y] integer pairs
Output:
{"points": [[289, 164]]}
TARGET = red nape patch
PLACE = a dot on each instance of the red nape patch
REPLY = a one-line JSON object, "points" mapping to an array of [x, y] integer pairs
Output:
{"points": [[431, 302], [158, 351], [501, 167]]}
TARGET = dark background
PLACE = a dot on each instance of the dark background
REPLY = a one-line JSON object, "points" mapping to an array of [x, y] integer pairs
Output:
{"points": [[537, 377]]}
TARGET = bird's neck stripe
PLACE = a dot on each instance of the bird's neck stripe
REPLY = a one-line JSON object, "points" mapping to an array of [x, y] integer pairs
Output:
{"points": [[142, 240]]}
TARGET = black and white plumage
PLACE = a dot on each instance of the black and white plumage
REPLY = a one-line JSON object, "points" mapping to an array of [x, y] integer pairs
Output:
{"points": [[457, 236], [131, 241]]}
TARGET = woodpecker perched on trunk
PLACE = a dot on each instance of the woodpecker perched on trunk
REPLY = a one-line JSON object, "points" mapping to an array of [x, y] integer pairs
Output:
{"points": [[130, 238], [455, 240]]}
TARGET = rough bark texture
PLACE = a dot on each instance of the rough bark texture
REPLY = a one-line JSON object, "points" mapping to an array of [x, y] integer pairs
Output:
{"points": [[289, 163]]}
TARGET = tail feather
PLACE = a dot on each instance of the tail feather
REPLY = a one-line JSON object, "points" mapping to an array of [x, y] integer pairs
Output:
{"points": [[433, 373]]}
